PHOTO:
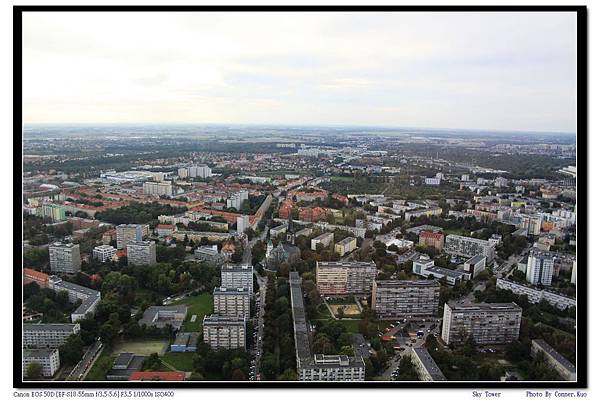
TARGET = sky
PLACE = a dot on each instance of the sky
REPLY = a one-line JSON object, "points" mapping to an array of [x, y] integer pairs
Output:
{"points": [[497, 71]]}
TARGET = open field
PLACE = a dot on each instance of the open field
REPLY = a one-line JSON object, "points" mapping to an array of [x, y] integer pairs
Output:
{"points": [[141, 347], [350, 310], [180, 361], [197, 305], [102, 365]]}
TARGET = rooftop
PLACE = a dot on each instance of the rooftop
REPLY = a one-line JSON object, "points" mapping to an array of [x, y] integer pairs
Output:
{"points": [[49, 327], [554, 354], [432, 368]]}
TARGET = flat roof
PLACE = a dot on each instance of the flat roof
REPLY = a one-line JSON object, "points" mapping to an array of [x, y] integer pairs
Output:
{"points": [[498, 307], [323, 236], [347, 240], [550, 351], [236, 268], [222, 320], [38, 353], [475, 259], [346, 264], [406, 283], [429, 363], [230, 291], [445, 271], [49, 327]]}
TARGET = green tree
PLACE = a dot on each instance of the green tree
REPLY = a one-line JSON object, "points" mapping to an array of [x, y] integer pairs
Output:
{"points": [[34, 371]]}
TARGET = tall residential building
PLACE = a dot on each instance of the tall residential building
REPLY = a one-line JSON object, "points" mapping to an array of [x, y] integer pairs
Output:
{"points": [[532, 223], [238, 276], [47, 335], [224, 332], [431, 239], [104, 252], [183, 172], [243, 223], [405, 299], [465, 246], [486, 323], [55, 212], [237, 199], [64, 258], [48, 359], [128, 233], [345, 277], [141, 252], [158, 188], [318, 367], [232, 302], [539, 269], [199, 171]]}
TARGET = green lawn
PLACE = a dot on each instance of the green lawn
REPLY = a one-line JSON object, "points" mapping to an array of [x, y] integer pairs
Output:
{"points": [[197, 305], [141, 347], [180, 361], [100, 368]]}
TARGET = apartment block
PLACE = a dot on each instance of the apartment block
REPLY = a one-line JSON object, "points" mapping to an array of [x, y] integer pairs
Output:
{"points": [[158, 188], [47, 335], [431, 239], [345, 277], [64, 258], [540, 268], [554, 359], [48, 359], [318, 367], [464, 246], [224, 332], [128, 233], [345, 246], [104, 252], [89, 297], [426, 367], [232, 302], [325, 239], [141, 253], [238, 276], [487, 323], [405, 299], [535, 295]]}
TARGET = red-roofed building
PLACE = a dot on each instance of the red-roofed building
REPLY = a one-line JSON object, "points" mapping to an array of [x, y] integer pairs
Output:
{"points": [[312, 214], [157, 376], [285, 209], [341, 198], [431, 239], [164, 230], [31, 275]]}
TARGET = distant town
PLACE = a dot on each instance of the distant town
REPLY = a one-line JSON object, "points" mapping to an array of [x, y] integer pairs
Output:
{"points": [[274, 253]]}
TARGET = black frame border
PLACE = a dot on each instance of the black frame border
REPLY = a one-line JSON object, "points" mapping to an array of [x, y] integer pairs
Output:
{"points": [[582, 139]]}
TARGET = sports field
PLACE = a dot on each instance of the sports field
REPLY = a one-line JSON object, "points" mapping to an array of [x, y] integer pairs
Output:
{"points": [[199, 306], [141, 347]]}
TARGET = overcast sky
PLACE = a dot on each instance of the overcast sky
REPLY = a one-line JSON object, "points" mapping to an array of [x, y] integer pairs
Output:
{"points": [[500, 71]]}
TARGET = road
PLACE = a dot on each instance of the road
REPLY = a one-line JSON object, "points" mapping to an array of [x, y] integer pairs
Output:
{"points": [[259, 323], [83, 367]]}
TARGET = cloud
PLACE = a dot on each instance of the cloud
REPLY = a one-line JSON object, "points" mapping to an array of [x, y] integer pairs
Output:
{"points": [[470, 70]]}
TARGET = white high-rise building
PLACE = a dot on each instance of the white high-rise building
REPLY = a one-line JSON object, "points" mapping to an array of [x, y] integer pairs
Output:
{"points": [[199, 171], [539, 269], [158, 188], [48, 359], [104, 252], [183, 172], [64, 258], [243, 223], [237, 199]]}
